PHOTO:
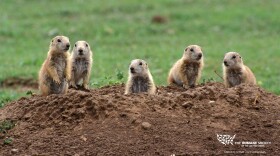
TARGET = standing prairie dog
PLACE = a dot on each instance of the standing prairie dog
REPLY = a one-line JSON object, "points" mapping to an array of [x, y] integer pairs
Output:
{"points": [[81, 61], [140, 78], [56, 71], [235, 72], [186, 71]]}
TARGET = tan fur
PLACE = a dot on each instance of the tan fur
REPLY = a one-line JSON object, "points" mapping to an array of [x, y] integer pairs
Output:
{"points": [[186, 71], [81, 63], [140, 80], [56, 71], [236, 72]]}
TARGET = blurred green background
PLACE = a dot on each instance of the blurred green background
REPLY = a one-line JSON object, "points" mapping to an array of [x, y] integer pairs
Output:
{"points": [[121, 30]]}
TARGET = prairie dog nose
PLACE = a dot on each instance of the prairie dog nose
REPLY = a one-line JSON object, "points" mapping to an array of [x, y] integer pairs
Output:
{"points": [[131, 68], [225, 63], [80, 51]]}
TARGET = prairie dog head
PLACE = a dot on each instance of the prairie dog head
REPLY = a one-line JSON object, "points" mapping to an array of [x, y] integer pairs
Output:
{"points": [[60, 44], [138, 67], [81, 50], [193, 53], [232, 60]]}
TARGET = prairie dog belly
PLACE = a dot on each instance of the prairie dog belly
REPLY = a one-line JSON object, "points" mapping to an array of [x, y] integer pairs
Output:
{"points": [[234, 78], [140, 84], [59, 63], [54, 87], [80, 69]]}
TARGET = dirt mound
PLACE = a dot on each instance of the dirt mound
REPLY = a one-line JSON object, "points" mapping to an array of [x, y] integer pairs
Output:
{"points": [[175, 121]]}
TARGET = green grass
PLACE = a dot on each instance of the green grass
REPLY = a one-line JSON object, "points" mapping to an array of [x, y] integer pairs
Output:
{"points": [[8, 141], [119, 31], [6, 125], [7, 95]]}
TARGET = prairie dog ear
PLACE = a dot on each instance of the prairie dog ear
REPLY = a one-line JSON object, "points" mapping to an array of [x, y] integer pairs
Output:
{"points": [[186, 48]]}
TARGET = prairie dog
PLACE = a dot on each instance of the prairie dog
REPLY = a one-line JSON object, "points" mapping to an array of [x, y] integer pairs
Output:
{"points": [[56, 71], [186, 71], [81, 61], [235, 72], [140, 78]]}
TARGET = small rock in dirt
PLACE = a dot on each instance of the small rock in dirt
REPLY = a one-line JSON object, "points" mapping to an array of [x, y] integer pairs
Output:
{"points": [[134, 120], [14, 150], [83, 138], [211, 102], [268, 125], [146, 125], [106, 113], [123, 115], [187, 104], [192, 94], [27, 116]]}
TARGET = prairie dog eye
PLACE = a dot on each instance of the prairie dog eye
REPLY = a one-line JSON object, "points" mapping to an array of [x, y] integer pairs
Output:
{"points": [[191, 50], [140, 63], [86, 45], [58, 40], [75, 45], [233, 57]]}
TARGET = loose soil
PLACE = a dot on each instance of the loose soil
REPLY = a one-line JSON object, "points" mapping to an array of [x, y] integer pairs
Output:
{"points": [[174, 121]]}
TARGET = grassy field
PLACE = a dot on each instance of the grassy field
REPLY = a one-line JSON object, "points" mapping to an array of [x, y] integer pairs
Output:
{"points": [[121, 30]]}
